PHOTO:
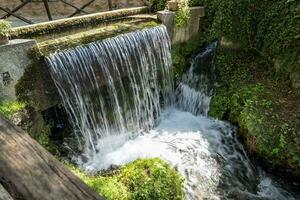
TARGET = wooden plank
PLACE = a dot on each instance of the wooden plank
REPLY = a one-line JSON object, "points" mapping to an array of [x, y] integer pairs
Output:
{"points": [[28, 171]]}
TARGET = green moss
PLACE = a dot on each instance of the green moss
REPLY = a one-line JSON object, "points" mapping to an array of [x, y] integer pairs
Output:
{"points": [[145, 179], [9, 108], [264, 108], [43, 49]]}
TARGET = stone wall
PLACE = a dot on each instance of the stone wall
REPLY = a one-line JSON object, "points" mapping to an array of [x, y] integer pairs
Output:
{"points": [[185, 33]]}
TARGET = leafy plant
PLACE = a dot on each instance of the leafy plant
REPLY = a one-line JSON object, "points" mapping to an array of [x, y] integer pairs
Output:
{"points": [[158, 5], [5, 28], [183, 13]]}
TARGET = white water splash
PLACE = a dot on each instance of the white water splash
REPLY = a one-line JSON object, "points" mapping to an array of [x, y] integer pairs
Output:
{"points": [[203, 150]]}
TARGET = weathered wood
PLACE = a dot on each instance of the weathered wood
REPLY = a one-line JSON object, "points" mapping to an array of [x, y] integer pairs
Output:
{"points": [[28, 171]]}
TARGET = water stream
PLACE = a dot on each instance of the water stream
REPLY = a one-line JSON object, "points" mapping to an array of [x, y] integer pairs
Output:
{"points": [[160, 121]]}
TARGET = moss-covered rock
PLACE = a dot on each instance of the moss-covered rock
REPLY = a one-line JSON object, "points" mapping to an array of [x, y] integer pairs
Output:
{"points": [[265, 109], [145, 179]]}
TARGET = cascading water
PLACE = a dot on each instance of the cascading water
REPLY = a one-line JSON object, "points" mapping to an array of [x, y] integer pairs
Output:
{"points": [[196, 88], [205, 151], [128, 66]]}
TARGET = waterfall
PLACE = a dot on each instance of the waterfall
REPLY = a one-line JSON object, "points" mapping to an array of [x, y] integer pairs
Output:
{"points": [[196, 88], [119, 96], [114, 86]]}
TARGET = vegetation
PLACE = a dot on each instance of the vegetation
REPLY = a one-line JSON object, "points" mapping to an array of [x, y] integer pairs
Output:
{"points": [[158, 5], [145, 179], [5, 28], [271, 28], [9, 108], [259, 74], [183, 14], [264, 108]]}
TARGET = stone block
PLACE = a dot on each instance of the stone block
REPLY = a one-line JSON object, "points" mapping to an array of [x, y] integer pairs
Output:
{"points": [[13, 60], [182, 34]]}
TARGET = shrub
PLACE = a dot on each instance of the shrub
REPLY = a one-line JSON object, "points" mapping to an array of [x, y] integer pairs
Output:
{"points": [[183, 13], [5, 28]]}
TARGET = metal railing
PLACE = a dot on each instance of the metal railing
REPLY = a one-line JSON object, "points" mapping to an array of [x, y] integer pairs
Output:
{"points": [[79, 9]]}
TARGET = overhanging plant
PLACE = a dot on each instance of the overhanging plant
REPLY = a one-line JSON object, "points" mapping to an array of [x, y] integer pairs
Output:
{"points": [[183, 13], [5, 28]]}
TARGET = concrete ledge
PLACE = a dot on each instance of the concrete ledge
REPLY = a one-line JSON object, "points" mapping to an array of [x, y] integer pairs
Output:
{"points": [[13, 60], [80, 21], [182, 34]]}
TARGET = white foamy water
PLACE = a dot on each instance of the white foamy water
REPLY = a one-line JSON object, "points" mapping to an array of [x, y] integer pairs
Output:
{"points": [[203, 150]]}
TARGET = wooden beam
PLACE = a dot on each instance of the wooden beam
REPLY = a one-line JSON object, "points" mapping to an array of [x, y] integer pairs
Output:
{"points": [[17, 16], [28, 171]]}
